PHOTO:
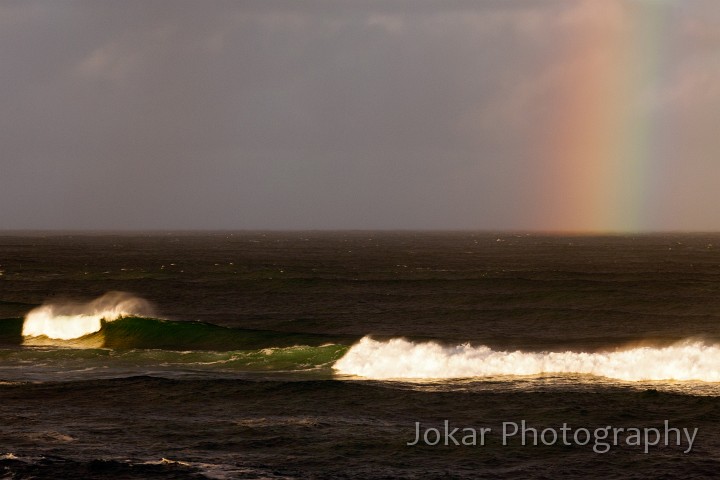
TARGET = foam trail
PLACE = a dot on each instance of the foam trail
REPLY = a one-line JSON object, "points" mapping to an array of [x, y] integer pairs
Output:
{"points": [[400, 358], [67, 321]]}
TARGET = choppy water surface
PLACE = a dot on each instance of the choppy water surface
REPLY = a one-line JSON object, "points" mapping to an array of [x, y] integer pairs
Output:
{"points": [[293, 355]]}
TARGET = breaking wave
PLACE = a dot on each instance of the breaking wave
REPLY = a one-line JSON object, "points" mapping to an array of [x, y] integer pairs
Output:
{"points": [[130, 332], [402, 359], [121, 321], [66, 321]]}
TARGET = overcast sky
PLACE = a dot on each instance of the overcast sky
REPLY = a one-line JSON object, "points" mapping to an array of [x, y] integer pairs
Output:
{"points": [[304, 114]]}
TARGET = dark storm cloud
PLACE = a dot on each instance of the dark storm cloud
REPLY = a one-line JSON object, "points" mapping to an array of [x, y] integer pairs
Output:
{"points": [[292, 114]]}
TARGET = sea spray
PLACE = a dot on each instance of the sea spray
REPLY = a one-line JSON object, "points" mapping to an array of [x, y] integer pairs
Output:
{"points": [[400, 358], [66, 321]]}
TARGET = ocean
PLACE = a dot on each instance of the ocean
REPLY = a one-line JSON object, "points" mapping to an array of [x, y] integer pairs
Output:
{"points": [[363, 355]]}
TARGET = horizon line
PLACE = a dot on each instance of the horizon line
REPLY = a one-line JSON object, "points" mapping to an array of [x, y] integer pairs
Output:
{"points": [[484, 231]]}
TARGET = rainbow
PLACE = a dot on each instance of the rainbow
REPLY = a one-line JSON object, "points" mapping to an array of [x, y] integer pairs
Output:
{"points": [[600, 140]]}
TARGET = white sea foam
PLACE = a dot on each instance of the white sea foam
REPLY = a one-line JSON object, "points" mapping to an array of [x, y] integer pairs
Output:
{"points": [[66, 321], [400, 358]]}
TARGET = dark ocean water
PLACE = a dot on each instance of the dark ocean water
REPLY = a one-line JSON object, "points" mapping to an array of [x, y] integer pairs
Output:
{"points": [[313, 355]]}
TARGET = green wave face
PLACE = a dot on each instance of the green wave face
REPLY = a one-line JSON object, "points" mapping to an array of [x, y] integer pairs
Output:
{"points": [[151, 333], [137, 345], [57, 363], [11, 331]]}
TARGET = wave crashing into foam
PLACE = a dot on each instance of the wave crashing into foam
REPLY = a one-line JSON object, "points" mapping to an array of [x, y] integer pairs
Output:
{"points": [[403, 359], [67, 321]]}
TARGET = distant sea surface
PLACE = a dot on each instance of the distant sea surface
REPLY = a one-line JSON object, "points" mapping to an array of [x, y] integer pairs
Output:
{"points": [[322, 354]]}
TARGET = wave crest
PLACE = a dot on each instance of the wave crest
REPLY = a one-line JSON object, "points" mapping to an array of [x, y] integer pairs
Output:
{"points": [[402, 359], [67, 321]]}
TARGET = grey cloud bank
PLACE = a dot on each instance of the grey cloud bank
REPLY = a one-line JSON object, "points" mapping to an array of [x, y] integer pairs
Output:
{"points": [[317, 114]]}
